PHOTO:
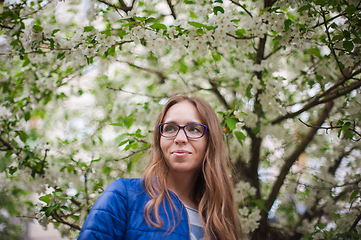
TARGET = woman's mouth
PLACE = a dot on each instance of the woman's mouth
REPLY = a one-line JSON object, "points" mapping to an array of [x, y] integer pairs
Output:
{"points": [[180, 153]]}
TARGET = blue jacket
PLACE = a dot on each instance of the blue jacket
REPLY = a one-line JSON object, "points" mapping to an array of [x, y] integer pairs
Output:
{"points": [[118, 214]]}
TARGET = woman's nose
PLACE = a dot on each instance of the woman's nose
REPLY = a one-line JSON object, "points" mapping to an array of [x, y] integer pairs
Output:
{"points": [[181, 137]]}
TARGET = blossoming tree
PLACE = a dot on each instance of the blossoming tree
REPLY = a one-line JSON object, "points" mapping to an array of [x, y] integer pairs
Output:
{"points": [[82, 81]]}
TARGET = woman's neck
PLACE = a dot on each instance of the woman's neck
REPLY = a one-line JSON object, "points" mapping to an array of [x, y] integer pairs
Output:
{"points": [[183, 186]]}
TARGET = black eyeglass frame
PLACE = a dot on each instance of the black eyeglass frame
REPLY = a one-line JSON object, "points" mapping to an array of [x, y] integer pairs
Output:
{"points": [[160, 125]]}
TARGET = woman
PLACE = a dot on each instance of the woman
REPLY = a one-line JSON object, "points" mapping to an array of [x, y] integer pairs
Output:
{"points": [[186, 192]]}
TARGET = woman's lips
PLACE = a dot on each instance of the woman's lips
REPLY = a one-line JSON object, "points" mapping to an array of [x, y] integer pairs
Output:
{"points": [[180, 153]]}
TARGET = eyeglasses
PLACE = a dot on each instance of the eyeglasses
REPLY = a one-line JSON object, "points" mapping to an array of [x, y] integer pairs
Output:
{"points": [[192, 131]]}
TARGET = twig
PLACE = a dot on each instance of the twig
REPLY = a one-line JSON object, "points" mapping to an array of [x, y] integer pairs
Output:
{"points": [[37, 9], [354, 224], [6, 144], [333, 127], [160, 74], [86, 188], [123, 7], [169, 2], [133, 153], [331, 44], [239, 5], [329, 20], [7, 27], [59, 219], [43, 162], [239, 38], [139, 94]]}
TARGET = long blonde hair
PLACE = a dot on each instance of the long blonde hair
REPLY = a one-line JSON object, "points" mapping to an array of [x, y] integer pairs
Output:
{"points": [[213, 189]]}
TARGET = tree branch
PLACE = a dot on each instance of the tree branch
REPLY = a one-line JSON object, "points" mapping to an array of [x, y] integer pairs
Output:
{"points": [[316, 100], [330, 20], [332, 169], [252, 169], [294, 156], [220, 97], [7, 27]]}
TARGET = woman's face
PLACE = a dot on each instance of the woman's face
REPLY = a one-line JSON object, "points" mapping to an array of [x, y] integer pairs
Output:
{"points": [[183, 155]]}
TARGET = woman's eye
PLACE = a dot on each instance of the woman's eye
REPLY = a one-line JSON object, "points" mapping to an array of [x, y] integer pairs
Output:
{"points": [[194, 129], [169, 129]]}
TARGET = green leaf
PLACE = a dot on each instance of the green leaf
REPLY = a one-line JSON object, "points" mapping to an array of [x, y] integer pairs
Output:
{"points": [[27, 116], [321, 2], [348, 45], [183, 68], [216, 56], [69, 70], [23, 136], [128, 121], [304, 8], [356, 40], [12, 170], [196, 24], [346, 126], [15, 43], [37, 28], [55, 31], [193, 15], [88, 28], [231, 123], [122, 33], [149, 20], [124, 142], [159, 26], [350, 10], [287, 23], [134, 146], [26, 60], [18, 74], [240, 32], [96, 160], [116, 124], [111, 51], [141, 19], [347, 34], [45, 198], [240, 137], [217, 9], [338, 37], [354, 194], [120, 137]]}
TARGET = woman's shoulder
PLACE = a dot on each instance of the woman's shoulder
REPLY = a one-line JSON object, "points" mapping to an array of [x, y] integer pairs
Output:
{"points": [[126, 184]]}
